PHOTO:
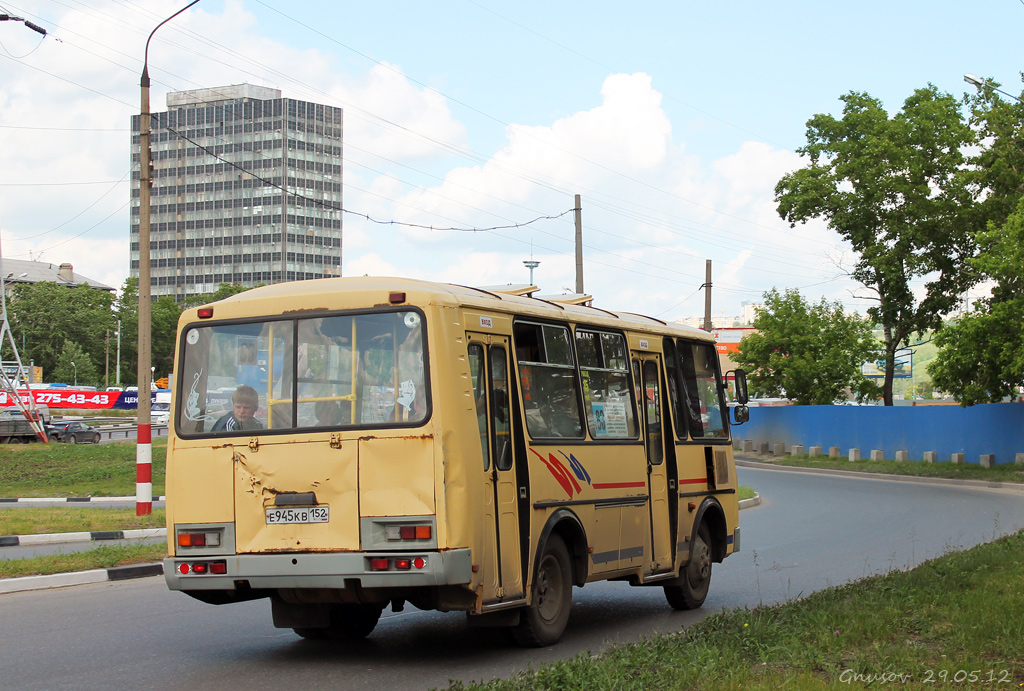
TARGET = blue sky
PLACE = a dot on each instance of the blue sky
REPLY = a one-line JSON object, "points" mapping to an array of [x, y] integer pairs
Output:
{"points": [[672, 120]]}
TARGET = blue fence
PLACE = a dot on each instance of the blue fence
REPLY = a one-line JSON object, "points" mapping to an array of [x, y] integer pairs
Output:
{"points": [[995, 428]]}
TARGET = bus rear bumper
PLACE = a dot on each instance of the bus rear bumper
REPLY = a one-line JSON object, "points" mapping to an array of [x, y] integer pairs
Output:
{"points": [[319, 570]]}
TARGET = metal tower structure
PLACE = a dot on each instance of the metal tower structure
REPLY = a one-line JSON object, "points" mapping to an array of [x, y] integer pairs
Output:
{"points": [[10, 385]]}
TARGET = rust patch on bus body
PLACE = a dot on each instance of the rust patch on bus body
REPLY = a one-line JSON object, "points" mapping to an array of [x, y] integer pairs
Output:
{"points": [[371, 437], [306, 310]]}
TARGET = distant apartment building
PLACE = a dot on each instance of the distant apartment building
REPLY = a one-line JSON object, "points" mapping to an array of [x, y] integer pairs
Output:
{"points": [[246, 190]]}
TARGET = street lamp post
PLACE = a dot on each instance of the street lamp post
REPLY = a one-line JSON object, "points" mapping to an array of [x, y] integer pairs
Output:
{"points": [[144, 440], [982, 83], [76, 372]]}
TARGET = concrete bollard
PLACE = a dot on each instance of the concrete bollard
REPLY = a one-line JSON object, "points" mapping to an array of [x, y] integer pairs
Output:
{"points": [[987, 460], [877, 455], [1019, 460], [958, 459], [833, 452], [797, 450], [930, 456], [814, 451], [748, 445], [764, 449], [902, 456], [854, 454], [779, 449], [736, 444]]}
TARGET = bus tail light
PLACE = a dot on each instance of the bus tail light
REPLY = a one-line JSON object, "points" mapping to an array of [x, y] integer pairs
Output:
{"points": [[397, 563], [408, 532], [198, 538], [205, 312], [200, 568]]}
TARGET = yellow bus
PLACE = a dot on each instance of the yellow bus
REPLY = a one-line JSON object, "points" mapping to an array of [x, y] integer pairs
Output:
{"points": [[346, 444]]}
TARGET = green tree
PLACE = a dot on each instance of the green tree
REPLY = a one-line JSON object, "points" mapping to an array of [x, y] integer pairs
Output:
{"points": [[44, 315], [808, 353], [981, 356], [224, 290], [74, 366], [997, 164], [164, 327], [126, 311], [895, 189]]}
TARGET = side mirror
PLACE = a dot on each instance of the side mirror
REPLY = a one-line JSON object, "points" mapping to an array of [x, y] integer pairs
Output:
{"points": [[741, 413], [739, 377]]}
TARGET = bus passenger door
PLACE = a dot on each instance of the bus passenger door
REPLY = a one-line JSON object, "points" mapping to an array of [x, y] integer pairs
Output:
{"points": [[648, 372], [500, 522]]}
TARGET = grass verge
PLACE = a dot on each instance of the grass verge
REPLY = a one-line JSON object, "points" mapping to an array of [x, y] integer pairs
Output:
{"points": [[1001, 473], [60, 519], [745, 493], [99, 558], [954, 622], [75, 470]]}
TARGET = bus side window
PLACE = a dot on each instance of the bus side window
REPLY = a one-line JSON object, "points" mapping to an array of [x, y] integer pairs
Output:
{"points": [[479, 382], [548, 380], [702, 390], [607, 400], [672, 376], [500, 418]]}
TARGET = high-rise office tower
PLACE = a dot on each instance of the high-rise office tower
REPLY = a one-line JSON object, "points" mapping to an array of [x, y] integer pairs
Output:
{"points": [[246, 189]]}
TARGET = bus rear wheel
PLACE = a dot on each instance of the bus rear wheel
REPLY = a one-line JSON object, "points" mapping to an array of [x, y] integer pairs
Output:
{"points": [[691, 588], [543, 621]]}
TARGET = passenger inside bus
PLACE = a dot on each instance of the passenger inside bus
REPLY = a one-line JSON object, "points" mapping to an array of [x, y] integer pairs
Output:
{"points": [[244, 402]]}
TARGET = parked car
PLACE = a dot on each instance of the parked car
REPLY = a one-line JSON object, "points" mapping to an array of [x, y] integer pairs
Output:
{"points": [[74, 433]]}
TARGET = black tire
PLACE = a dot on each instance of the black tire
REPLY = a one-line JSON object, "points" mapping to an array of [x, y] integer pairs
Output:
{"points": [[691, 588], [350, 622], [73, 439], [543, 621], [96, 439], [312, 634]]}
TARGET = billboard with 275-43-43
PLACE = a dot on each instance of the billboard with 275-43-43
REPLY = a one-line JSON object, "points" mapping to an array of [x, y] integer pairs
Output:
{"points": [[76, 398]]}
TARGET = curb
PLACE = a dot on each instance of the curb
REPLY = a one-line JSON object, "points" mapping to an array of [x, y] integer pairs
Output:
{"points": [[750, 503], [71, 500], [982, 484], [60, 580], [94, 536]]}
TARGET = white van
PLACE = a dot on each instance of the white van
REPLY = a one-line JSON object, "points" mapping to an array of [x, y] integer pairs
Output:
{"points": [[160, 411]]}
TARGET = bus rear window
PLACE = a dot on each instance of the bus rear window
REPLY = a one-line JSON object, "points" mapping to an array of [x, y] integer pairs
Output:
{"points": [[355, 370]]}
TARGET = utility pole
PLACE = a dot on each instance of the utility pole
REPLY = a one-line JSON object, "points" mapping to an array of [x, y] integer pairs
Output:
{"points": [[579, 246], [144, 436], [707, 296]]}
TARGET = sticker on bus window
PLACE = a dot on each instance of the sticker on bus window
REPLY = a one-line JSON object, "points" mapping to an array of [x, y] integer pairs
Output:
{"points": [[407, 394], [487, 322]]}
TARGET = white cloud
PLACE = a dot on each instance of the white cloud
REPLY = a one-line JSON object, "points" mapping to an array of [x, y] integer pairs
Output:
{"points": [[652, 213]]}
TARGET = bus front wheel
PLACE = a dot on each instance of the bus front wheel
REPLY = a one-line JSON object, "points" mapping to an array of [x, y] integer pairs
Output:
{"points": [[691, 588], [543, 621]]}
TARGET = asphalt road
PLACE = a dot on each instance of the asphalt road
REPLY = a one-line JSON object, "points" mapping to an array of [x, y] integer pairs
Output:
{"points": [[812, 531]]}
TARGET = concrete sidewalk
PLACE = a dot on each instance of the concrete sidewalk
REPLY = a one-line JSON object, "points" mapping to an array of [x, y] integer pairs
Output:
{"points": [[744, 460]]}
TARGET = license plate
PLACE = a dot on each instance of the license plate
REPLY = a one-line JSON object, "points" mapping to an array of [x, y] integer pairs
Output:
{"points": [[301, 514]]}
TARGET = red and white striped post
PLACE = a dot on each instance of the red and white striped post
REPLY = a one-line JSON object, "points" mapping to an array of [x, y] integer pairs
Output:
{"points": [[144, 471], [144, 442]]}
